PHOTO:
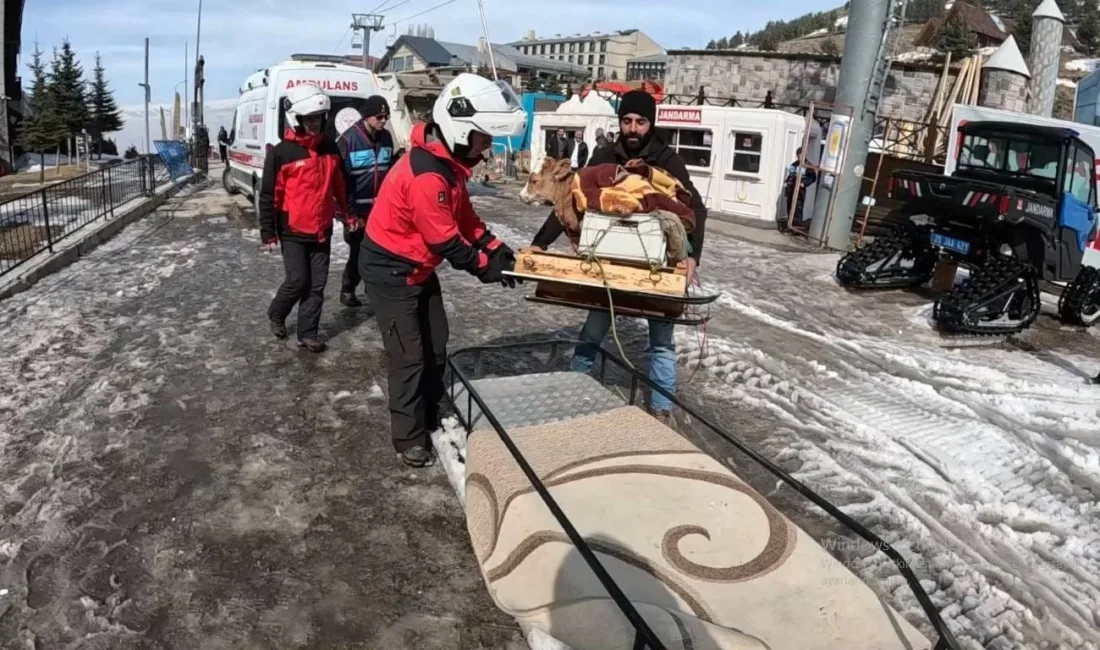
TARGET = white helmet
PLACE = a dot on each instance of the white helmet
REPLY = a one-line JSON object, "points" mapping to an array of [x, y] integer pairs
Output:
{"points": [[305, 99], [473, 103]]}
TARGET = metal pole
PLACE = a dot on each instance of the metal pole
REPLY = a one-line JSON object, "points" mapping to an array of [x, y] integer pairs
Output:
{"points": [[148, 148], [866, 25], [366, 48], [186, 92], [195, 108]]}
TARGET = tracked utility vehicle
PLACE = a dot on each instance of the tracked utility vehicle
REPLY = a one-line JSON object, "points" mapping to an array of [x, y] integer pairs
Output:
{"points": [[1019, 208]]}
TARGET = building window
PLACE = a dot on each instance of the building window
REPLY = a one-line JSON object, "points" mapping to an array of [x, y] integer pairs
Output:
{"points": [[590, 59], [570, 58], [603, 46], [747, 146], [572, 47], [602, 59], [693, 145], [599, 72], [542, 49]]}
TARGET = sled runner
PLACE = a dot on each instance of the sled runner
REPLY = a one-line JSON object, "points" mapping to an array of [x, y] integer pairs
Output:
{"points": [[598, 525]]}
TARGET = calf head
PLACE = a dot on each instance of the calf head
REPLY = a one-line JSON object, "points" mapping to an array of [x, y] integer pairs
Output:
{"points": [[549, 184]]}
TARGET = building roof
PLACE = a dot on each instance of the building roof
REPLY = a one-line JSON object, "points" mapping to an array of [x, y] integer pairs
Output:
{"points": [[976, 20], [650, 58], [596, 36], [510, 59], [1049, 9], [1008, 57], [428, 49]]}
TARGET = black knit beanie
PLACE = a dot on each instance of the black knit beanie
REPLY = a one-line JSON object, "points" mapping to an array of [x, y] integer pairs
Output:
{"points": [[375, 105], [638, 102]]}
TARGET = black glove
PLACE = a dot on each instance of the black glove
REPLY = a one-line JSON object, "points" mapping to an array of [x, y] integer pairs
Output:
{"points": [[500, 260]]}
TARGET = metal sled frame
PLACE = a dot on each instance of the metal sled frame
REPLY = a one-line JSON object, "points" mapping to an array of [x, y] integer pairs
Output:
{"points": [[645, 638]]}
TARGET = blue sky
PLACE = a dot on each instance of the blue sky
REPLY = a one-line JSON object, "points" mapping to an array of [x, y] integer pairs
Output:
{"points": [[239, 36]]}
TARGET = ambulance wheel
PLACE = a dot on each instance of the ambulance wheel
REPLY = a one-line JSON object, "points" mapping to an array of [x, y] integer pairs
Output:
{"points": [[227, 182]]}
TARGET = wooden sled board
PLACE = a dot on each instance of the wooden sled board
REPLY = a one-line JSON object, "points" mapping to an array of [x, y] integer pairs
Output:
{"points": [[596, 297], [543, 265]]}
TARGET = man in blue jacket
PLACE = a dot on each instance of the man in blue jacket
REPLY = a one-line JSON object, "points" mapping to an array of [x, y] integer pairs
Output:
{"points": [[367, 148]]}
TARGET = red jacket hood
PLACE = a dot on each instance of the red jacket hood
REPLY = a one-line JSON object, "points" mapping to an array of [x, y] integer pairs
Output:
{"points": [[426, 136], [307, 141]]}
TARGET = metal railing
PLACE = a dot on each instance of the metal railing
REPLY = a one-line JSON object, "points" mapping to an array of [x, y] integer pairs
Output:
{"points": [[35, 222], [466, 365]]}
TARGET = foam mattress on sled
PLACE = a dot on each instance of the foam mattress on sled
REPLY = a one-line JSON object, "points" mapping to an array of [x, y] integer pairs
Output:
{"points": [[706, 560]]}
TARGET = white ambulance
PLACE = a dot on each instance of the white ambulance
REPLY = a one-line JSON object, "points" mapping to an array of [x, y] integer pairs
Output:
{"points": [[260, 118]]}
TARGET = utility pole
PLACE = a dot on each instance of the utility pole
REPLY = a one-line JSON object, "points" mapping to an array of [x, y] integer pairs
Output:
{"points": [[863, 70], [186, 91], [366, 23], [148, 93], [195, 112]]}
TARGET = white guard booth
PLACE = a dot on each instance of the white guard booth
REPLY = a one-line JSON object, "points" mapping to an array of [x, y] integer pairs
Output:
{"points": [[591, 113], [737, 157]]}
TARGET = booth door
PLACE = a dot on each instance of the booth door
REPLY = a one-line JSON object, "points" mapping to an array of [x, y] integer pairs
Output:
{"points": [[744, 176]]}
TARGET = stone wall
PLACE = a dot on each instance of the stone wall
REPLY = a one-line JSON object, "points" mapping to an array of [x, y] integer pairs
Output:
{"points": [[794, 79], [1003, 89]]}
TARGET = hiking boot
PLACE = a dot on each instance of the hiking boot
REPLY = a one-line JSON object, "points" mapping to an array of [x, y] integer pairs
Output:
{"points": [[418, 456], [664, 417], [313, 345], [348, 299], [278, 329]]}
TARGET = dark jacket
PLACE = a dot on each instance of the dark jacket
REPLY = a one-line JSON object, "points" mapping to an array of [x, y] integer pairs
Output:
{"points": [[367, 160], [582, 152], [303, 183], [560, 148], [656, 154], [423, 216]]}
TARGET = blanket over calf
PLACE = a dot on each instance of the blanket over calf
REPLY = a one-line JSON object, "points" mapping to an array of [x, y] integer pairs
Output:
{"points": [[707, 561], [624, 189]]}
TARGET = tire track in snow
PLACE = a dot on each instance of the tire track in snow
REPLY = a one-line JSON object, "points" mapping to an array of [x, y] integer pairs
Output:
{"points": [[858, 416]]}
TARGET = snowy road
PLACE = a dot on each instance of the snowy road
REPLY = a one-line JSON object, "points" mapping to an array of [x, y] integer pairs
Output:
{"points": [[170, 473]]}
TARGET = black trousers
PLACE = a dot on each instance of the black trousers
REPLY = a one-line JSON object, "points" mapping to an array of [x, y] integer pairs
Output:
{"points": [[306, 266], [351, 270], [221, 151], [414, 334]]}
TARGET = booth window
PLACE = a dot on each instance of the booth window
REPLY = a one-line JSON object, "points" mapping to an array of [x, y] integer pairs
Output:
{"points": [[692, 145], [747, 147]]}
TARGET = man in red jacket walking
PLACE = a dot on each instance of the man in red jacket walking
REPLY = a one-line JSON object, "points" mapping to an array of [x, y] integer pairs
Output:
{"points": [[303, 183], [422, 216]]}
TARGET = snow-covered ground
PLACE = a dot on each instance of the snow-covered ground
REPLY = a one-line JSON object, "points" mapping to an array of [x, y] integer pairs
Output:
{"points": [[980, 464]]}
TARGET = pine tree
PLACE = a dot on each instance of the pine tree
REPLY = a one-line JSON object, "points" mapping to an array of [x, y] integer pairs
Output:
{"points": [[1022, 27], [921, 11], [723, 43], [106, 117], [711, 45], [738, 40], [1088, 32], [42, 128], [956, 38], [830, 47], [67, 84]]}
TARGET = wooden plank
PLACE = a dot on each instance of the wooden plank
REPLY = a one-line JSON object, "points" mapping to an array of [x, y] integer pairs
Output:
{"points": [[541, 265], [596, 297]]}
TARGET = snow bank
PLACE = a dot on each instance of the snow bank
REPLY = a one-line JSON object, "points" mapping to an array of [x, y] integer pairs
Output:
{"points": [[1081, 65]]}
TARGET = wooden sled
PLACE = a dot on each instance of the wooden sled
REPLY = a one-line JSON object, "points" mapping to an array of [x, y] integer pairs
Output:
{"points": [[635, 290]]}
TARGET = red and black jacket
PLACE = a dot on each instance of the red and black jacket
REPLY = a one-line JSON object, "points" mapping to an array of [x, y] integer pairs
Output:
{"points": [[303, 184], [423, 215]]}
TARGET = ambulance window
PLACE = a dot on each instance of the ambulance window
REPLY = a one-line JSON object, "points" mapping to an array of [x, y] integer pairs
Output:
{"points": [[747, 148], [692, 145]]}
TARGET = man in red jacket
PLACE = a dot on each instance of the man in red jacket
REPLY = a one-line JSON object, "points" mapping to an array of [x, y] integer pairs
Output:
{"points": [[303, 183], [421, 217]]}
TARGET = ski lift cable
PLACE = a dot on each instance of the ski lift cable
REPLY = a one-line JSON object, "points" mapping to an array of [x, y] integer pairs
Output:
{"points": [[421, 13]]}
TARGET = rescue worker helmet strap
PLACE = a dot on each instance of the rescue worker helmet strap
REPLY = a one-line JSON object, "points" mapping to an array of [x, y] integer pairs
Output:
{"points": [[471, 102], [303, 100]]}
